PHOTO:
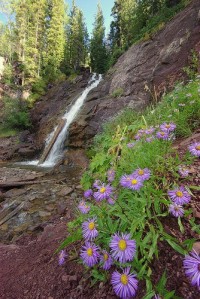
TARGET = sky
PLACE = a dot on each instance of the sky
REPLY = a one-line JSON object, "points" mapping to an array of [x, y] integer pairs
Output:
{"points": [[89, 8]]}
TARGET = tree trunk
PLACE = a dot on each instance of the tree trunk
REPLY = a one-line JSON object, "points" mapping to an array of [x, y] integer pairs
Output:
{"points": [[53, 140]]}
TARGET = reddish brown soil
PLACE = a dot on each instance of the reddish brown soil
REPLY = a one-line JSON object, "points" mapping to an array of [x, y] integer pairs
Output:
{"points": [[29, 268]]}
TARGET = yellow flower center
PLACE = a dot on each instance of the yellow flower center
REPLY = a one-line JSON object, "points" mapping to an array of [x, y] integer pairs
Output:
{"points": [[102, 190], [179, 194], [162, 133], [197, 147], [122, 245], [140, 172], [91, 225], [124, 279], [89, 252], [167, 126], [134, 182], [105, 256]]}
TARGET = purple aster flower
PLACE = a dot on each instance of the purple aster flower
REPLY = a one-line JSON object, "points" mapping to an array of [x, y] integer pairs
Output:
{"points": [[135, 184], [83, 207], [89, 229], [125, 180], [150, 139], [122, 248], [61, 258], [195, 149], [179, 195], [106, 260], [88, 193], [141, 131], [111, 201], [90, 254], [111, 175], [124, 284], [138, 136], [183, 171], [130, 145], [157, 297], [97, 183], [142, 174], [149, 130], [103, 192], [162, 135], [165, 127], [191, 264], [176, 210]]}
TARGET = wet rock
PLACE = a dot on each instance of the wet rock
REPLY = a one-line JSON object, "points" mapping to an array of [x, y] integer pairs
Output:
{"points": [[27, 152], [65, 191]]}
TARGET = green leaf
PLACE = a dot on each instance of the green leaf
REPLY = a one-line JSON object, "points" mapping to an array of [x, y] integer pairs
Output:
{"points": [[180, 225], [197, 188], [77, 235], [149, 295], [176, 247], [162, 283]]}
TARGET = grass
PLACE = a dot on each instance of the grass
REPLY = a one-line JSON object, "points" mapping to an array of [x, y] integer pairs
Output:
{"points": [[7, 132], [140, 213]]}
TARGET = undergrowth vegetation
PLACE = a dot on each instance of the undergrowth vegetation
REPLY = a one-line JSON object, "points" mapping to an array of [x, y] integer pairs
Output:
{"points": [[121, 207], [15, 114]]}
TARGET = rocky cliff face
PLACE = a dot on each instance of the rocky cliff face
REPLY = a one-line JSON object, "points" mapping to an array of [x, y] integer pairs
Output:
{"points": [[157, 63]]}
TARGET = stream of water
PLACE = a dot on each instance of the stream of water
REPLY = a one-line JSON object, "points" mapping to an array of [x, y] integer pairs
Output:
{"points": [[57, 149]]}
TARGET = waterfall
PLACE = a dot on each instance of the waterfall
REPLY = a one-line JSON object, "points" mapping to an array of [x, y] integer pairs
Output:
{"points": [[57, 150]]}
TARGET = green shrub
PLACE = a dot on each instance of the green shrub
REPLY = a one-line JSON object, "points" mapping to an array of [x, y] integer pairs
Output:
{"points": [[15, 114], [8, 75], [39, 86]]}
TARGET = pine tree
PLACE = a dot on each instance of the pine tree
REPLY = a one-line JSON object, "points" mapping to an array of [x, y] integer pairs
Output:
{"points": [[98, 52], [53, 53], [76, 39]]}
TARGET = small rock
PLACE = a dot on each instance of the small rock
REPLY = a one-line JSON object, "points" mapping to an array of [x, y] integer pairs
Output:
{"points": [[73, 278], [65, 191], [44, 214], [196, 247], [61, 207], [65, 278], [79, 187], [101, 285], [73, 195]]}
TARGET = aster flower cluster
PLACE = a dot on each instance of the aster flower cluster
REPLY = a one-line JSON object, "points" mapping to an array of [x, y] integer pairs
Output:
{"points": [[135, 180], [122, 249], [165, 132], [179, 197]]}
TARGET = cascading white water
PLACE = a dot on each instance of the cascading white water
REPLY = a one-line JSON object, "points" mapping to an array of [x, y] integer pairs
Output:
{"points": [[57, 149]]}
